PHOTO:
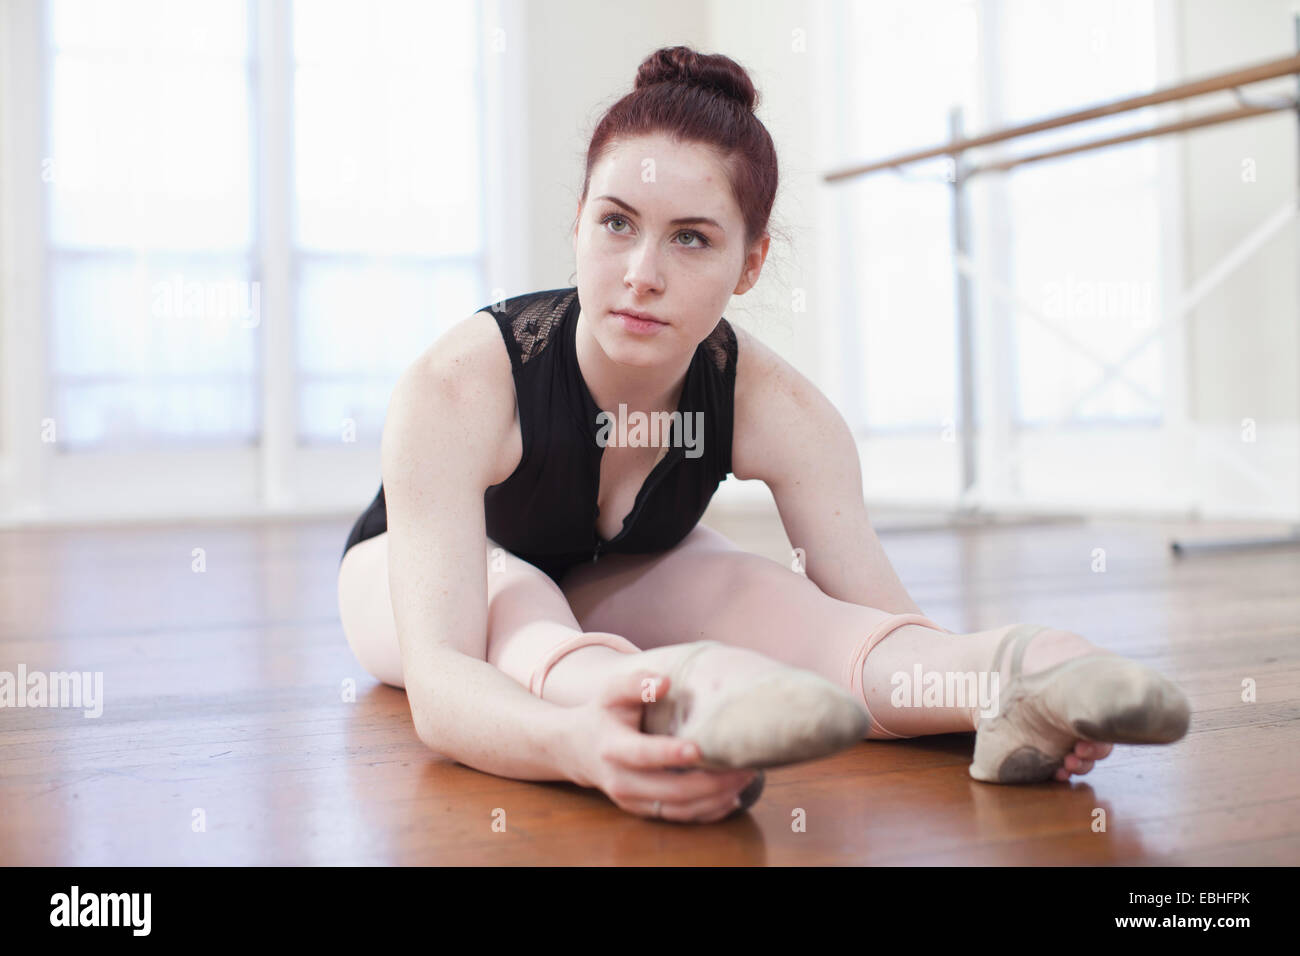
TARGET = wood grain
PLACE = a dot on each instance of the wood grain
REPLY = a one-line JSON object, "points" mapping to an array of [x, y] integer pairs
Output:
{"points": [[223, 691]]}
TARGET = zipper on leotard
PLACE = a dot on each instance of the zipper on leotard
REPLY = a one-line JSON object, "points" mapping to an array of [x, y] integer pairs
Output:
{"points": [[663, 467]]}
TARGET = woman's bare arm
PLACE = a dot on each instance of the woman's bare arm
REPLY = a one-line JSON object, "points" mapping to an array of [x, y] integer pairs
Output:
{"points": [[447, 437], [788, 434]]}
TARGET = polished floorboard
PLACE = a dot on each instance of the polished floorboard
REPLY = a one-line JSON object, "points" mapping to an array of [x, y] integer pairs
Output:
{"points": [[227, 736]]}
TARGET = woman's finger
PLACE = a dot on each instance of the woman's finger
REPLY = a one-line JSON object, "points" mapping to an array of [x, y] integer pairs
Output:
{"points": [[648, 752], [704, 810], [679, 787]]}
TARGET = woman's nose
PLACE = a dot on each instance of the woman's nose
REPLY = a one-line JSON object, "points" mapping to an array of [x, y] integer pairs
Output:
{"points": [[643, 268]]}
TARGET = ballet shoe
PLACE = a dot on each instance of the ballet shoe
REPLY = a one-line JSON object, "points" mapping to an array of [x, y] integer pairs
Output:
{"points": [[749, 796], [1097, 697], [786, 717]]}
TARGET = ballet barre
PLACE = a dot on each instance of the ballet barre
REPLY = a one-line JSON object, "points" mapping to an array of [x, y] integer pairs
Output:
{"points": [[962, 170]]}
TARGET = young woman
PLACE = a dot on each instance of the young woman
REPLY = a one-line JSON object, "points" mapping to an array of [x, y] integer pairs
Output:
{"points": [[533, 571]]}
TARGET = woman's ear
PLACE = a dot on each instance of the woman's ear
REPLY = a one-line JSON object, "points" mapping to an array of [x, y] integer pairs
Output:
{"points": [[753, 265]]}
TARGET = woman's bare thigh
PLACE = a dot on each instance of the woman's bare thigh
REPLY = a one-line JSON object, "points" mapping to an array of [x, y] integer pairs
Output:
{"points": [[518, 594]]}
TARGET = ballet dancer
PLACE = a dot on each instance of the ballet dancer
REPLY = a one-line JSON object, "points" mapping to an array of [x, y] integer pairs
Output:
{"points": [[533, 570]]}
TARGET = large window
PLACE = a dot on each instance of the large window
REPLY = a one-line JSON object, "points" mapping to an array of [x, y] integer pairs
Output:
{"points": [[1068, 263], [1083, 232], [907, 64], [389, 232], [151, 227], [159, 193], [233, 224], [1085, 237]]}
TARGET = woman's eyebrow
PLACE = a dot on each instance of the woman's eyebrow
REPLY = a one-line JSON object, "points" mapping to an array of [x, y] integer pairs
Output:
{"points": [[687, 221]]}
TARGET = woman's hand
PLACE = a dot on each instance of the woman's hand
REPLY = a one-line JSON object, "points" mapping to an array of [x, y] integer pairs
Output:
{"points": [[607, 750]]}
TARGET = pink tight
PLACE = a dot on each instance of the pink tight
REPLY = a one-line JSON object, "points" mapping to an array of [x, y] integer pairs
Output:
{"points": [[851, 675], [706, 588]]}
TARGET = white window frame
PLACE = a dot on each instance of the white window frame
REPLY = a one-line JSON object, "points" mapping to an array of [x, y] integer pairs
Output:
{"points": [[277, 476]]}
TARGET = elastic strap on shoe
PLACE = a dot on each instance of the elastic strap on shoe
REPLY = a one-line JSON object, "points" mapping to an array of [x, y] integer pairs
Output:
{"points": [[883, 630], [621, 644]]}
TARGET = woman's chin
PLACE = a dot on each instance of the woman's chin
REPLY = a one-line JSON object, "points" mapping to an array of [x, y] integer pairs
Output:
{"points": [[625, 349], [635, 356]]}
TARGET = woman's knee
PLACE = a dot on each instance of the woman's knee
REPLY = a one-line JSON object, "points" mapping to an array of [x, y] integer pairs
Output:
{"points": [[366, 611], [514, 581], [520, 596]]}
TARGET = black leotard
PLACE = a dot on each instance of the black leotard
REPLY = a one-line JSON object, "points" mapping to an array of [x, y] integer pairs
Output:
{"points": [[545, 512]]}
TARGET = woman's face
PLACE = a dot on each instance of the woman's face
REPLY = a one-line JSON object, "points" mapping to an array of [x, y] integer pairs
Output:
{"points": [[660, 233]]}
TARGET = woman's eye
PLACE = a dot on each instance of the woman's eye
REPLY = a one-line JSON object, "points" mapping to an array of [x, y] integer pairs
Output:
{"points": [[699, 241]]}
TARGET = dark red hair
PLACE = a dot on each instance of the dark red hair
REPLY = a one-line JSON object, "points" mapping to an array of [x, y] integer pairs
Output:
{"points": [[701, 98]]}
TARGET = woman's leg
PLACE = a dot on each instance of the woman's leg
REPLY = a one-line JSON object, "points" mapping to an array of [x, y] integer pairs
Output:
{"points": [[707, 588], [530, 625], [534, 638]]}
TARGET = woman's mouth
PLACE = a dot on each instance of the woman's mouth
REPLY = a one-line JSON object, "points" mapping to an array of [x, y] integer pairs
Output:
{"points": [[639, 325]]}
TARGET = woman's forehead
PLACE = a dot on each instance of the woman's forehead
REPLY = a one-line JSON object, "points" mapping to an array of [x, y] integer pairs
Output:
{"points": [[636, 176]]}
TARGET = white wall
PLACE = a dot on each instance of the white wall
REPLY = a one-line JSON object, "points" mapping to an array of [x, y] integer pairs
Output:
{"points": [[779, 42], [582, 56]]}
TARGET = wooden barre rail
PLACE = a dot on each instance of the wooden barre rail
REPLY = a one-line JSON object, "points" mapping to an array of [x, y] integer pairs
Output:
{"points": [[1222, 81], [1208, 119]]}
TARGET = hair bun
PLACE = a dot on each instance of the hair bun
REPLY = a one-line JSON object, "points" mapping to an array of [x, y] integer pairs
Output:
{"points": [[681, 64]]}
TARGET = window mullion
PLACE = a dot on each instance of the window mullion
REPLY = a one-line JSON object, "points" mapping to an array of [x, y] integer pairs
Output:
{"points": [[24, 276], [274, 264], [994, 319]]}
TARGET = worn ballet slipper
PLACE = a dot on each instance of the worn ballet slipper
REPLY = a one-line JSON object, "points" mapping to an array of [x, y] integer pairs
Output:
{"points": [[784, 717], [1097, 697]]}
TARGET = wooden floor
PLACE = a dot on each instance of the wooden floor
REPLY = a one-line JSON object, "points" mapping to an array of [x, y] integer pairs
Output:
{"points": [[222, 705]]}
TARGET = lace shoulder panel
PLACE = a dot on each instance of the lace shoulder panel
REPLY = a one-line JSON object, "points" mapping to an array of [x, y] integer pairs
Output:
{"points": [[721, 347], [532, 318]]}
